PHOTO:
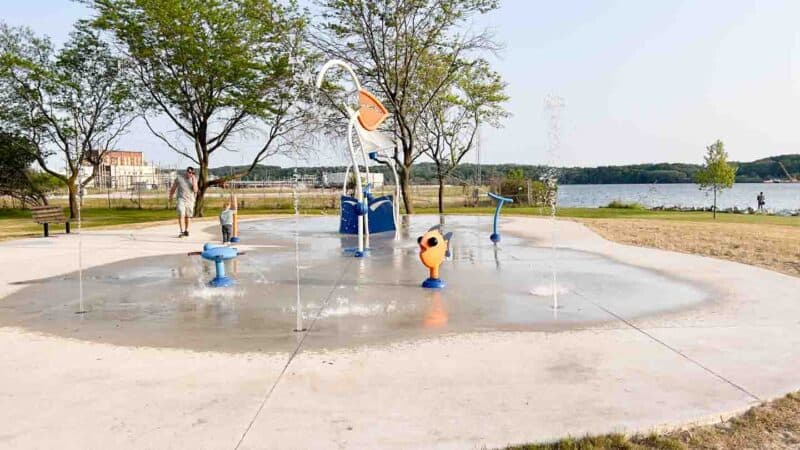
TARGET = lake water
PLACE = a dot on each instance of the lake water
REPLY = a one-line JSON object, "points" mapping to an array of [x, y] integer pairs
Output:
{"points": [[778, 196]]}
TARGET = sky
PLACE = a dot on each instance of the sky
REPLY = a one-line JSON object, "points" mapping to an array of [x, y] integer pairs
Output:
{"points": [[641, 81]]}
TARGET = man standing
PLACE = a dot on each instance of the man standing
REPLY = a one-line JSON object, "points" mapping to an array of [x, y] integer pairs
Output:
{"points": [[761, 201], [186, 185]]}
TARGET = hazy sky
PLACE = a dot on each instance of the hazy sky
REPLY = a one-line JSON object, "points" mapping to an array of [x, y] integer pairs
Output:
{"points": [[643, 81]]}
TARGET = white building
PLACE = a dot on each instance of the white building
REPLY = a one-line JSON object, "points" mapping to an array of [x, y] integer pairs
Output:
{"points": [[337, 179], [126, 170]]}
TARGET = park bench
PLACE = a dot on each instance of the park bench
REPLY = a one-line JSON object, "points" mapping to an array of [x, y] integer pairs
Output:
{"points": [[45, 215]]}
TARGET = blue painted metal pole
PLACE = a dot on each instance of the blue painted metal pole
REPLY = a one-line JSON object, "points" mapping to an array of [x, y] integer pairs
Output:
{"points": [[220, 266], [495, 237]]}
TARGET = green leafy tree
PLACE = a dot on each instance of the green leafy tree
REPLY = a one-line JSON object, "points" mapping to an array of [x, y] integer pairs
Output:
{"points": [[17, 180], [219, 71], [71, 105], [449, 127], [389, 42], [516, 174], [716, 174]]}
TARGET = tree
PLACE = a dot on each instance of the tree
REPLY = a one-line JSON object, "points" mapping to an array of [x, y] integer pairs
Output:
{"points": [[516, 174], [17, 180], [218, 70], [450, 125], [716, 173], [72, 104], [387, 43]]}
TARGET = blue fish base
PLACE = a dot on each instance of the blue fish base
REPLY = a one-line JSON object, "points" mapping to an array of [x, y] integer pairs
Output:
{"points": [[434, 283], [221, 282], [354, 251]]}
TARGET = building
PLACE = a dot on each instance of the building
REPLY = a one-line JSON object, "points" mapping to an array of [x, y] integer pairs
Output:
{"points": [[126, 170], [337, 179]]}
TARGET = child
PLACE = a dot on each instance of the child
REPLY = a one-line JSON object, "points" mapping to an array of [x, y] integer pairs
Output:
{"points": [[226, 220]]}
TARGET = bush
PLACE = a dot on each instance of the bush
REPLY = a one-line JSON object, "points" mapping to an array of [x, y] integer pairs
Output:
{"points": [[526, 192], [514, 189], [619, 204]]}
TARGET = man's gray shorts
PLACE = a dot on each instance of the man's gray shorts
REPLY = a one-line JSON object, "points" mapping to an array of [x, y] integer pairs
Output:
{"points": [[184, 208]]}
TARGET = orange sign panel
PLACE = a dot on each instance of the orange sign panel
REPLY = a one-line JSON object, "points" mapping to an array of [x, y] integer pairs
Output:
{"points": [[370, 110]]}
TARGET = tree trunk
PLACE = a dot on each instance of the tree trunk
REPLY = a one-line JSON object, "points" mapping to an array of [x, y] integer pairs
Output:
{"points": [[73, 199], [405, 188], [199, 200], [715, 204], [202, 187], [441, 194]]}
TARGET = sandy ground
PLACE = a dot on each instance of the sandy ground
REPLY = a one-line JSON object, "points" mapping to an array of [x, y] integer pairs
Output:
{"points": [[458, 391], [770, 246]]}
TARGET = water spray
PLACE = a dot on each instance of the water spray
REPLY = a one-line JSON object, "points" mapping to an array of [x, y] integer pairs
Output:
{"points": [[553, 106], [81, 309], [298, 306]]}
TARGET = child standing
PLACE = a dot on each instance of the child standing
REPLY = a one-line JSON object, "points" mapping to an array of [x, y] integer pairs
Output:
{"points": [[226, 220]]}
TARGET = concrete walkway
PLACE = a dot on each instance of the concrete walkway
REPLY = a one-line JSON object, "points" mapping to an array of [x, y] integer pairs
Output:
{"points": [[458, 391]]}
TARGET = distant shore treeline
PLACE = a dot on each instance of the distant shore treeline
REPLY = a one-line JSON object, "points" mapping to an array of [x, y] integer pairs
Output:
{"points": [[425, 173]]}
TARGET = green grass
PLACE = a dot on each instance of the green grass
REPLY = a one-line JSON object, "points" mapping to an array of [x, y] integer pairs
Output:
{"points": [[18, 223], [625, 213], [15, 213]]}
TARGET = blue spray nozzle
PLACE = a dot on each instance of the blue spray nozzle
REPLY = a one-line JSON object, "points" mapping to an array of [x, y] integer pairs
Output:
{"points": [[495, 237], [500, 198]]}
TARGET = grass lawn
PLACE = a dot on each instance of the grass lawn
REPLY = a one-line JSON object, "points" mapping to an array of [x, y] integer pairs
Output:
{"points": [[626, 213], [16, 223], [775, 246], [772, 425]]}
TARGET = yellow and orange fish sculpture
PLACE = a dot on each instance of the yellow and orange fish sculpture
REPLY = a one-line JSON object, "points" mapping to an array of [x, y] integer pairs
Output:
{"points": [[434, 247]]}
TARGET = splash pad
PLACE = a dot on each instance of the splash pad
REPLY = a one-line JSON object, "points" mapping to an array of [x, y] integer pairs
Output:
{"points": [[164, 301]]}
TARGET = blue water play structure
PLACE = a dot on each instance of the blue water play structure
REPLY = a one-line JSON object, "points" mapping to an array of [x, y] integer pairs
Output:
{"points": [[379, 209], [383, 211], [364, 214], [219, 254], [495, 236]]}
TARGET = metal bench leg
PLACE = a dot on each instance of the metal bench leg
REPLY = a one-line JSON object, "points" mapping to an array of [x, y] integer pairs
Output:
{"points": [[46, 229], [67, 227]]}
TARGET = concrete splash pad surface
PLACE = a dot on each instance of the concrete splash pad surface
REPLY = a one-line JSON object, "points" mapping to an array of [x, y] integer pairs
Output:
{"points": [[445, 390], [162, 301]]}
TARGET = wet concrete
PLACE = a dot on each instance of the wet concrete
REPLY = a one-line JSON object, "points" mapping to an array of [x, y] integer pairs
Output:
{"points": [[640, 372], [162, 301]]}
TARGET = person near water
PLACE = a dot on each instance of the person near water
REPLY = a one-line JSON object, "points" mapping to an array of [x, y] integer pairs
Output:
{"points": [[761, 201], [226, 221], [185, 185]]}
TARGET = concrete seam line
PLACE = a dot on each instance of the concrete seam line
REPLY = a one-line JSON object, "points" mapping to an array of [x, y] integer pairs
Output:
{"points": [[673, 349], [294, 353]]}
